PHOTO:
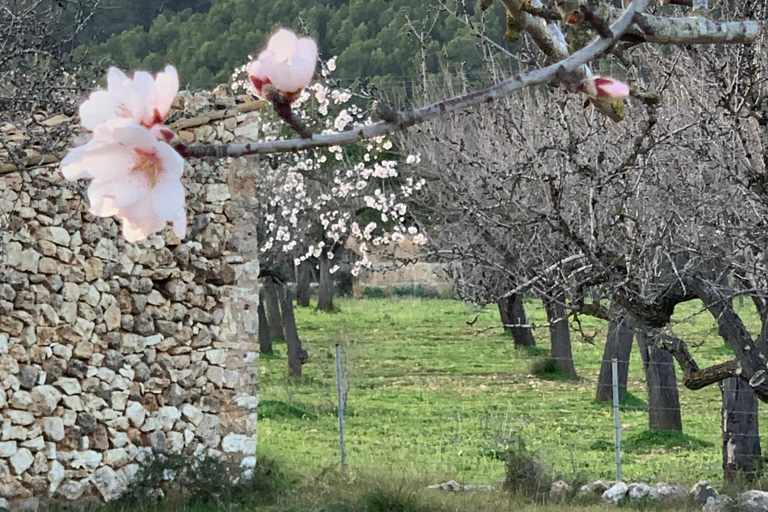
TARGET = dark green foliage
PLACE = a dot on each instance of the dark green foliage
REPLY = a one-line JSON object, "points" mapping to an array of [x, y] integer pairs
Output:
{"points": [[648, 440], [370, 37], [280, 409], [373, 292], [203, 482]]}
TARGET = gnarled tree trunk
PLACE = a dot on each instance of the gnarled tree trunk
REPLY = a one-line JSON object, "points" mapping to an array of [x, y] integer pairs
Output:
{"points": [[297, 356], [265, 338], [325, 290], [741, 436], [661, 383], [560, 335], [274, 318], [303, 282], [513, 313], [618, 345]]}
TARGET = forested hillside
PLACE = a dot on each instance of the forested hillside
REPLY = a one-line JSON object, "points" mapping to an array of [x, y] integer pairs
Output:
{"points": [[371, 38]]}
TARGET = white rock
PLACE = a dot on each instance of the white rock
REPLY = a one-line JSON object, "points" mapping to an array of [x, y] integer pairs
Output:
{"points": [[192, 414], [175, 441], [717, 504], [68, 385], [45, 399], [107, 483], [53, 428], [20, 417], [753, 501], [168, 416], [72, 489], [638, 491], [36, 443], [116, 457], [136, 413], [240, 443], [616, 494], [89, 458], [21, 461], [55, 475], [216, 356], [8, 449]]}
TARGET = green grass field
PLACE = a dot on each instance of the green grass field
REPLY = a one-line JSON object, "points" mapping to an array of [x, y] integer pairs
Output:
{"points": [[431, 398]]}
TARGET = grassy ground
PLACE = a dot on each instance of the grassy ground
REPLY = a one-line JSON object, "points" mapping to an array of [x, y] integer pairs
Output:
{"points": [[431, 398]]}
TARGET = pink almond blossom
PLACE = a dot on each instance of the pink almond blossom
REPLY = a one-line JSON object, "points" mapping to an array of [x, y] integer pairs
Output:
{"points": [[288, 64], [135, 177], [144, 99], [605, 88]]}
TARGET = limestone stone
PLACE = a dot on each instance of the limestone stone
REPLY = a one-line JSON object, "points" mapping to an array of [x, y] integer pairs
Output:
{"points": [[57, 235], [28, 376], [53, 428], [72, 490], [616, 494], [45, 399], [8, 449], [135, 413], [56, 475], [21, 400], [638, 492], [21, 461], [702, 491], [68, 385], [753, 501], [718, 503], [208, 430], [168, 416], [112, 317], [107, 483], [192, 414], [240, 443]]}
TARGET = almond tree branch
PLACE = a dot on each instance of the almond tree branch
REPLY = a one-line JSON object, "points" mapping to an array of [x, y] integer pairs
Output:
{"points": [[689, 30], [407, 119], [551, 41]]}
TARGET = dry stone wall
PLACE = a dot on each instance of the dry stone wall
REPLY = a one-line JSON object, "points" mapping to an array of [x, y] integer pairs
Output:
{"points": [[109, 351]]}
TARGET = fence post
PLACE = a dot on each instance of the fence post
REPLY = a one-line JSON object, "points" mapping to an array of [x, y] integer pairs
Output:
{"points": [[340, 393], [616, 417]]}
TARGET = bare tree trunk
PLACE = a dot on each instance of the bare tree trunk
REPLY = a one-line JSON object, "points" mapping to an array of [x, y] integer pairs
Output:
{"points": [[303, 281], [325, 291], [618, 345], [275, 320], [560, 335], [297, 356], [741, 436], [512, 312], [661, 382], [265, 338]]}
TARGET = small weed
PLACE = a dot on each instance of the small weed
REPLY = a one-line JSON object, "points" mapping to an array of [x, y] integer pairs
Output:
{"points": [[526, 474]]}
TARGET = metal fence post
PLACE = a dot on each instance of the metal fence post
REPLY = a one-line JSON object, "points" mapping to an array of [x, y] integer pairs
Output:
{"points": [[616, 417], [340, 393]]}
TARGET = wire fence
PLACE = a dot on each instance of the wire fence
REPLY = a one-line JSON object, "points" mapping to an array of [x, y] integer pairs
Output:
{"points": [[421, 404]]}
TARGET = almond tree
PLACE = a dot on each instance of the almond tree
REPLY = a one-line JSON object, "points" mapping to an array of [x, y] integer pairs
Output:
{"points": [[591, 188]]}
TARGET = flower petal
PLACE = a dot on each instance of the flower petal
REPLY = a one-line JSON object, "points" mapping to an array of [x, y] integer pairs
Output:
{"points": [[167, 85], [168, 198]]}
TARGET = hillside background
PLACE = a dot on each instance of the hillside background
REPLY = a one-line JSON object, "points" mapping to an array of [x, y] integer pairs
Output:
{"points": [[207, 39]]}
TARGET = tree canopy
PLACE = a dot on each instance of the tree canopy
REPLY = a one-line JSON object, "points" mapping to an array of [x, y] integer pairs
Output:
{"points": [[372, 38]]}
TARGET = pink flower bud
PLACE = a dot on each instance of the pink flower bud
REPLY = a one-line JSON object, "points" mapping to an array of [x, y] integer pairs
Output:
{"points": [[288, 64], [604, 88]]}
